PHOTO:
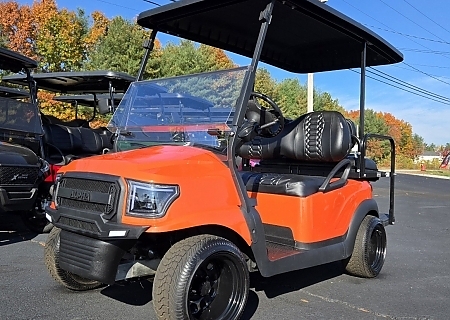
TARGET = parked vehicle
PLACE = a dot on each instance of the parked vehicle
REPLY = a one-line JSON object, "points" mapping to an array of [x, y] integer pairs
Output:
{"points": [[54, 141], [13, 93], [180, 208], [22, 164]]}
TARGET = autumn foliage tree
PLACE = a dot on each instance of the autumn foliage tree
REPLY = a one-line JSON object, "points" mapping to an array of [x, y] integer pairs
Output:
{"points": [[60, 43]]}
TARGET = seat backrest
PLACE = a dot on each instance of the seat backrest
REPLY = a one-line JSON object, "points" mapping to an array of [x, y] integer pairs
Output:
{"points": [[322, 136], [75, 140]]}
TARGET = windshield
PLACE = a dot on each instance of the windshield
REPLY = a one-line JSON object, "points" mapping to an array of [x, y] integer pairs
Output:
{"points": [[19, 116], [188, 110]]}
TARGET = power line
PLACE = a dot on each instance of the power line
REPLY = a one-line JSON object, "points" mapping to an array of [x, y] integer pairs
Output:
{"points": [[388, 26], [408, 35], [407, 90], [151, 2], [409, 69], [425, 73], [425, 15], [426, 65], [404, 83], [442, 53], [411, 20], [118, 5]]}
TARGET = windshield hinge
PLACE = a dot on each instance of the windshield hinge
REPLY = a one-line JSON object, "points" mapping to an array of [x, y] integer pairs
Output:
{"points": [[265, 15]]}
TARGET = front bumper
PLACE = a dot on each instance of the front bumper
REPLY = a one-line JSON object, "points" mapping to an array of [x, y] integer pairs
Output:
{"points": [[17, 199], [93, 225], [91, 258]]}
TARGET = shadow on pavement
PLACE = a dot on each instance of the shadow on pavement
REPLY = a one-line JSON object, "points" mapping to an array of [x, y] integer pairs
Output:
{"points": [[139, 293], [295, 280], [12, 229], [135, 293]]}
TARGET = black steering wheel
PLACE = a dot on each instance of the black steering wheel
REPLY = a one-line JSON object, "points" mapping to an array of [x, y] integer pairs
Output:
{"points": [[270, 119]]}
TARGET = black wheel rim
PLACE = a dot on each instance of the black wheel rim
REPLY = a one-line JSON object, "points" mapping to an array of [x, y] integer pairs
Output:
{"points": [[377, 248], [217, 288]]}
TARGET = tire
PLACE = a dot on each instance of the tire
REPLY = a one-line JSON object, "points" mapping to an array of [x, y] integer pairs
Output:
{"points": [[369, 252], [67, 279], [202, 277]]}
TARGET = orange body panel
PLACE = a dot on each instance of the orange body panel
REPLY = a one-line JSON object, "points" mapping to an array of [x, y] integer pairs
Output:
{"points": [[207, 192], [319, 217]]}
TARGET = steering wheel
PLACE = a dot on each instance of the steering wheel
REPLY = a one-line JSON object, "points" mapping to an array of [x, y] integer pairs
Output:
{"points": [[270, 120]]}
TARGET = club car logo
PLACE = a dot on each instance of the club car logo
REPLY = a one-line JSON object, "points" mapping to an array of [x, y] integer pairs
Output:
{"points": [[80, 195]]}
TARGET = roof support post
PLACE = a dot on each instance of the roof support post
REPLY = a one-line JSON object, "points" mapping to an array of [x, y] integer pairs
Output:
{"points": [[362, 94], [32, 86], [362, 102], [247, 204], [148, 46]]}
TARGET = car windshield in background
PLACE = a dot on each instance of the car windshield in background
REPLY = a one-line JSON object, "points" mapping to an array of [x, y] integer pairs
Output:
{"points": [[19, 116], [187, 110]]}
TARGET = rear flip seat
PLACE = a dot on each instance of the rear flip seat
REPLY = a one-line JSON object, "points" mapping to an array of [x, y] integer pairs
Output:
{"points": [[323, 138], [74, 142]]}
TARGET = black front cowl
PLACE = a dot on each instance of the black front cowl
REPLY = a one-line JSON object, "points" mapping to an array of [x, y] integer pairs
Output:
{"points": [[12, 154], [20, 174], [91, 258]]}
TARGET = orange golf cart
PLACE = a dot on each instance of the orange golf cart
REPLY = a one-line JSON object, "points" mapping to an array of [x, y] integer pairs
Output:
{"points": [[178, 198]]}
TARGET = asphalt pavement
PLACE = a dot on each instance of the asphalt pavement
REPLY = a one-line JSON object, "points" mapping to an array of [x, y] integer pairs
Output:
{"points": [[414, 282]]}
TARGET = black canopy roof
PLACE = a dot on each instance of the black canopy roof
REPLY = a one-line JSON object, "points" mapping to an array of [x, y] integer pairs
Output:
{"points": [[13, 93], [13, 61], [77, 82], [88, 99], [303, 36]]}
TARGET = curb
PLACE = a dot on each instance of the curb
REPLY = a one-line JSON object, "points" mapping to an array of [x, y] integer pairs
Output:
{"points": [[419, 173]]}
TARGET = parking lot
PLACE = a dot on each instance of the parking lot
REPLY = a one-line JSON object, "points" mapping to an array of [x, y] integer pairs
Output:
{"points": [[414, 282]]}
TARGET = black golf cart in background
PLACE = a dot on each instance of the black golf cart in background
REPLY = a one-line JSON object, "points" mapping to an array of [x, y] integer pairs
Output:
{"points": [[57, 142], [22, 164]]}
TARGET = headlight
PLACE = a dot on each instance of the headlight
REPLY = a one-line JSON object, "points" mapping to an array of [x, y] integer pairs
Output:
{"points": [[149, 200]]}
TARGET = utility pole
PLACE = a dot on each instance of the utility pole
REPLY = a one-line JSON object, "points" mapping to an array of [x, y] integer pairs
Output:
{"points": [[310, 84]]}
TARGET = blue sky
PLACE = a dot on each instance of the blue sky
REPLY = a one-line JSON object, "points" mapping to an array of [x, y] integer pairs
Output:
{"points": [[420, 29]]}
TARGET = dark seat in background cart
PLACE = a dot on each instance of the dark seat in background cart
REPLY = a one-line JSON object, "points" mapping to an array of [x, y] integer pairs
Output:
{"points": [[317, 144], [65, 143]]}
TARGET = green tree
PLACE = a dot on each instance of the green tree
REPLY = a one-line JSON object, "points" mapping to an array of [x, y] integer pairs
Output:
{"points": [[291, 97], [180, 59], [60, 42], [264, 83], [324, 102], [120, 49]]}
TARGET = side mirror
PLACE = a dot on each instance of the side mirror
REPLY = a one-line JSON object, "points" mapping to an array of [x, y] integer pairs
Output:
{"points": [[104, 106]]}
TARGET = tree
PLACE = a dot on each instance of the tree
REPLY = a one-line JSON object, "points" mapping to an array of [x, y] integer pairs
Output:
{"points": [[264, 83], [17, 27], [212, 59], [324, 102], [97, 30], [60, 42], [20, 25], [181, 59], [291, 97], [120, 49]]}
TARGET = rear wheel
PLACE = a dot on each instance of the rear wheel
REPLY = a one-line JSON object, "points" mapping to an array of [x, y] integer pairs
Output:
{"points": [[369, 252], [68, 279], [202, 277]]}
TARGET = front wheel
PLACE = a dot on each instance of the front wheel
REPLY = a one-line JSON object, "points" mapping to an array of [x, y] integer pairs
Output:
{"points": [[202, 277], [369, 252], [66, 278]]}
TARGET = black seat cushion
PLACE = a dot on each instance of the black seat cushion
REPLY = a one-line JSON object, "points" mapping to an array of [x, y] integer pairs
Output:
{"points": [[322, 136], [284, 184]]}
